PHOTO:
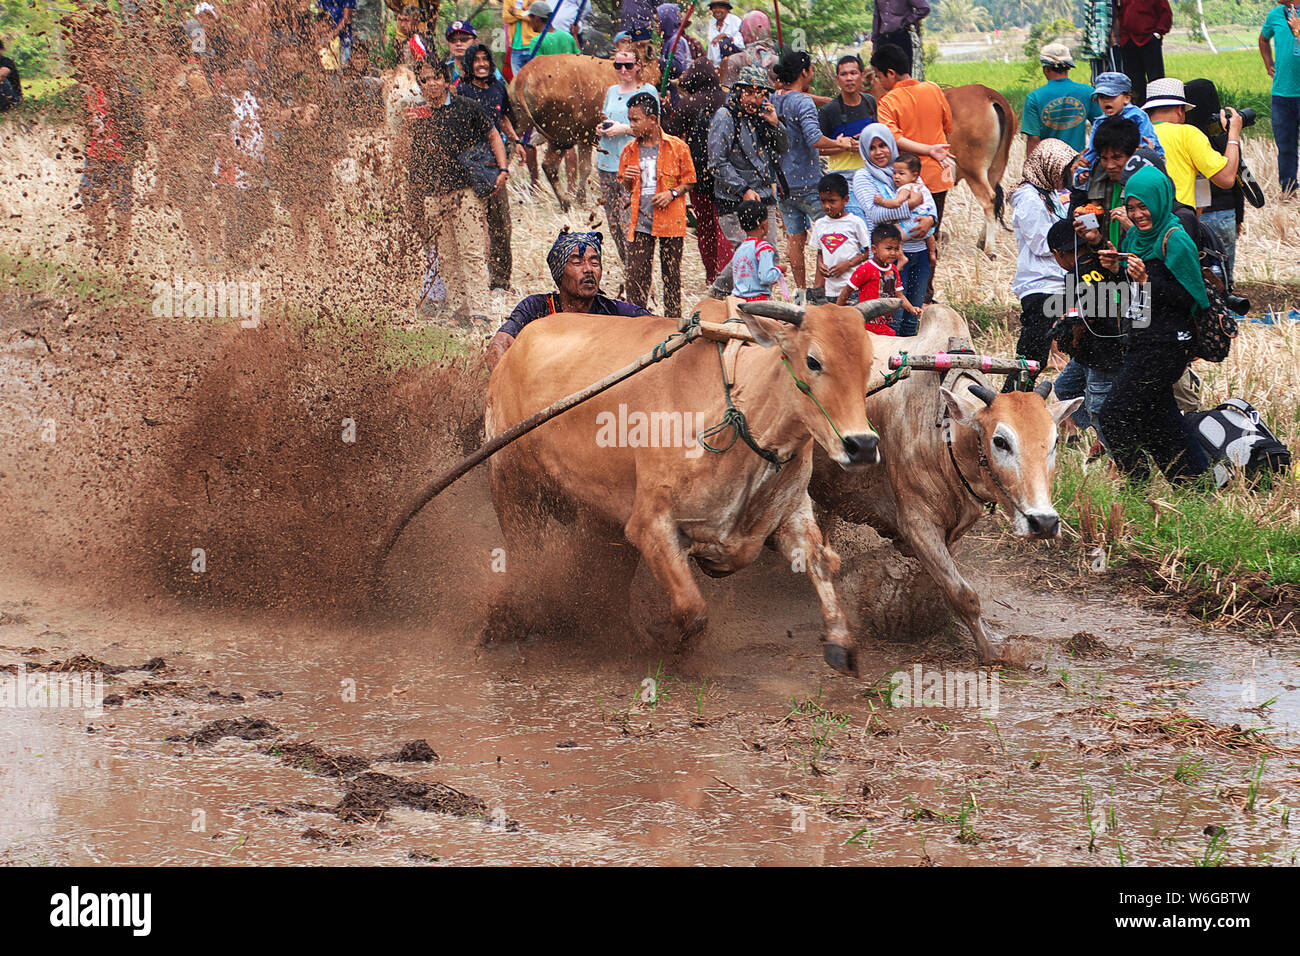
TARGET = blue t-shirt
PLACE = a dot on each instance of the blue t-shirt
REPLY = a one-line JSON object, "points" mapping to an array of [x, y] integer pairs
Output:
{"points": [[1146, 132], [1286, 53], [753, 269], [1060, 109], [801, 163], [610, 148]]}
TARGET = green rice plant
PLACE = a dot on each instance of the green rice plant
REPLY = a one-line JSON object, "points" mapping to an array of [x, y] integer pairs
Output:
{"points": [[1215, 849], [1189, 768]]}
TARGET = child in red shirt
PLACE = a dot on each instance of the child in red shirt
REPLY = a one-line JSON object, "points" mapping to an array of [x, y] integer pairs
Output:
{"points": [[878, 277]]}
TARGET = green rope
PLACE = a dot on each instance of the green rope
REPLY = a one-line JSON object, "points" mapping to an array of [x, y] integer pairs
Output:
{"points": [[891, 378], [690, 331], [807, 390], [1024, 381], [733, 418]]}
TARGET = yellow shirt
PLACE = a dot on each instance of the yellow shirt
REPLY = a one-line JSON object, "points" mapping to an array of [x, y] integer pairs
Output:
{"points": [[514, 13], [1188, 152]]}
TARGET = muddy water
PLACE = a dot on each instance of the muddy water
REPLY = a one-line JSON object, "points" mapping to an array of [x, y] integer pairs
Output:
{"points": [[555, 736]]}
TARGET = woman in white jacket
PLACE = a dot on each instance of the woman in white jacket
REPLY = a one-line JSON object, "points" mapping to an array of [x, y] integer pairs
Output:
{"points": [[1037, 203], [724, 24]]}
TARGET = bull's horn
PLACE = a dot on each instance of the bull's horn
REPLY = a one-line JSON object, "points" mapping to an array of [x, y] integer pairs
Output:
{"points": [[1043, 389], [875, 308], [781, 311], [983, 394]]}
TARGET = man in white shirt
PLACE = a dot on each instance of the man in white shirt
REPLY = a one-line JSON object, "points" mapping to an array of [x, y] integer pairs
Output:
{"points": [[566, 15], [724, 24]]}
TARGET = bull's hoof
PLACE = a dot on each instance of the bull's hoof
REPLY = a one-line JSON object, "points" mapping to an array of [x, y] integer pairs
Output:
{"points": [[841, 658], [1007, 653]]}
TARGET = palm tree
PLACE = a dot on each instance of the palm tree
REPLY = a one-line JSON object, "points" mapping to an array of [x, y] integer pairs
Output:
{"points": [[962, 16]]}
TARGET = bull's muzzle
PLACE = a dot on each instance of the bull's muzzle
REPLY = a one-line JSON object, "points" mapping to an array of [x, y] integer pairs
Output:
{"points": [[1043, 524], [861, 449]]}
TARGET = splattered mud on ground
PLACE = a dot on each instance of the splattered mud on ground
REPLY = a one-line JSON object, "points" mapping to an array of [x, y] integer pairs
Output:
{"points": [[594, 748]]}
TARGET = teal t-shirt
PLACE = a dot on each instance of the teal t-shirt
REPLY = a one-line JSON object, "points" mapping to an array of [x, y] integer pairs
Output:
{"points": [[1060, 109], [557, 41], [1286, 53]]}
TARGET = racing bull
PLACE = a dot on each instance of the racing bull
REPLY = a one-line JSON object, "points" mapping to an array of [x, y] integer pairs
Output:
{"points": [[639, 463], [950, 452]]}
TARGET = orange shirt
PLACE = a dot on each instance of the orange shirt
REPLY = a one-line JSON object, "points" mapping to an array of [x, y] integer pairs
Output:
{"points": [[673, 171], [919, 110]]}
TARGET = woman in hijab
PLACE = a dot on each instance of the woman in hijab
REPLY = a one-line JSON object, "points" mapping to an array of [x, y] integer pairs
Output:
{"points": [[670, 20], [756, 31], [701, 96], [876, 178], [1141, 418], [1037, 204]]}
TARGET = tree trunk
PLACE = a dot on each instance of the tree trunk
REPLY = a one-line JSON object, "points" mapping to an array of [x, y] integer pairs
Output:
{"points": [[1205, 33]]}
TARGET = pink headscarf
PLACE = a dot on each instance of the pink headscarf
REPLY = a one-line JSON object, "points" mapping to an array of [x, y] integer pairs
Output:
{"points": [[755, 26]]}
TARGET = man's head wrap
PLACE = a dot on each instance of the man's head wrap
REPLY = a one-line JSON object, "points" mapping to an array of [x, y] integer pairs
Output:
{"points": [[564, 247]]}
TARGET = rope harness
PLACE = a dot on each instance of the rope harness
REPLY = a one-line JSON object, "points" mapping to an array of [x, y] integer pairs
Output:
{"points": [[989, 506], [734, 419]]}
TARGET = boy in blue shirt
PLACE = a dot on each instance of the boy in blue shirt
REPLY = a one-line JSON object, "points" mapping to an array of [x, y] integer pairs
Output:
{"points": [[753, 268], [1114, 94]]}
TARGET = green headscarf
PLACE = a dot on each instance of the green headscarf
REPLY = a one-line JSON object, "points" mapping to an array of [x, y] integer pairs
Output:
{"points": [[1155, 190]]}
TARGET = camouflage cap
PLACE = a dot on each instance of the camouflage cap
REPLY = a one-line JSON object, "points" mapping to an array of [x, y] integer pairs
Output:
{"points": [[754, 76]]}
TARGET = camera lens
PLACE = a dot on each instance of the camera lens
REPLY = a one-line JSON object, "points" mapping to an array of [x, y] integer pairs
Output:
{"points": [[1247, 117]]}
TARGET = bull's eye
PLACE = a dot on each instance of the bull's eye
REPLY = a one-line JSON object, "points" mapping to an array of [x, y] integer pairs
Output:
{"points": [[1001, 444], [814, 365]]}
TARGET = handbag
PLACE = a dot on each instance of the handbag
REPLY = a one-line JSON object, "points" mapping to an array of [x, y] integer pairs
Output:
{"points": [[1215, 326], [481, 166]]}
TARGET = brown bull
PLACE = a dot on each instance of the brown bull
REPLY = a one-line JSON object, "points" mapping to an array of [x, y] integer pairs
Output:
{"points": [[948, 454], [983, 128], [562, 95], [630, 466]]}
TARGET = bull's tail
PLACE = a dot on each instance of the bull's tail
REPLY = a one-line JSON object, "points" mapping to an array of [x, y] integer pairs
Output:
{"points": [[1008, 127]]}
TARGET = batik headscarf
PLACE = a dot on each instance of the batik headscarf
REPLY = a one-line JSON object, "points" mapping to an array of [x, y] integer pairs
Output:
{"points": [[1045, 170], [1156, 191], [564, 247], [884, 175]]}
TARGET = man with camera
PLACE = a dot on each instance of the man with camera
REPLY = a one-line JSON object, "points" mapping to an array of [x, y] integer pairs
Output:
{"points": [[746, 141], [1187, 150]]}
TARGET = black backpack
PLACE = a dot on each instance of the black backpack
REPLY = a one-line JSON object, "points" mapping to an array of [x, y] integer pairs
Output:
{"points": [[1215, 325], [1235, 438]]}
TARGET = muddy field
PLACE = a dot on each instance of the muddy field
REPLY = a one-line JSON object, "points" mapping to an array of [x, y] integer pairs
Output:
{"points": [[182, 501]]}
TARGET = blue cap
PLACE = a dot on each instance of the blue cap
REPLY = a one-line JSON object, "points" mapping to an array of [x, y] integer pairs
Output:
{"points": [[1112, 84], [622, 35], [461, 26]]}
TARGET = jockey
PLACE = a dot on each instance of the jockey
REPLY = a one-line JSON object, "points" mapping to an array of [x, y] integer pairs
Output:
{"points": [[574, 261]]}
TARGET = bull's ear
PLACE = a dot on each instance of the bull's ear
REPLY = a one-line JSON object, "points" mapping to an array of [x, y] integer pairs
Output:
{"points": [[961, 410], [767, 332], [1061, 409]]}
